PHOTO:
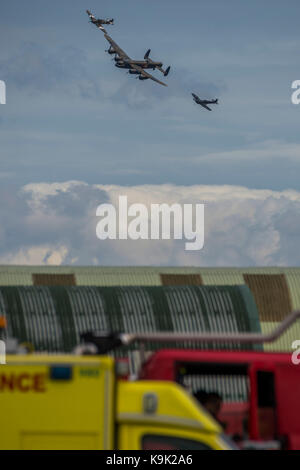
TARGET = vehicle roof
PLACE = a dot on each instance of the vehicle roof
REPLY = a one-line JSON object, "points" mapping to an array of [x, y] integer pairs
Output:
{"points": [[58, 359]]}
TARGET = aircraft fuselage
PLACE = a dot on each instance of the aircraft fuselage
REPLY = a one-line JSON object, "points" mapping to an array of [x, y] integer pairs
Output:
{"points": [[141, 63]]}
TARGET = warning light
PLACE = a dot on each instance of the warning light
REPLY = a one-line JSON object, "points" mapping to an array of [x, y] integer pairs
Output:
{"points": [[61, 373], [3, 322]]}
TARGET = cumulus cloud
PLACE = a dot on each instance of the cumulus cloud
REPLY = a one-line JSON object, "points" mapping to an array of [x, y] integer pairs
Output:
{"points": [[36, 255], [44, 223]]}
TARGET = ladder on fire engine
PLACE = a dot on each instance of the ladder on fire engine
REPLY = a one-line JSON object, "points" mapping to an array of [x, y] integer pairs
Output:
{"points": [[105, 342]]}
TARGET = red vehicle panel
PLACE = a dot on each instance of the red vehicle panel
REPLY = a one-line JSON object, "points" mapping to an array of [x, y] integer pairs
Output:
{"points": [[271, 408]]}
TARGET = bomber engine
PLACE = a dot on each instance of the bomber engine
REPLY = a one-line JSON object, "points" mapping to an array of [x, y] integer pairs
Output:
{"points": [[111, 50]]}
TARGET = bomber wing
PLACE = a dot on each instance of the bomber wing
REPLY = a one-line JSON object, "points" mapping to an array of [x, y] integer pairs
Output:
{"points": [[146, 74], [117, 48]]}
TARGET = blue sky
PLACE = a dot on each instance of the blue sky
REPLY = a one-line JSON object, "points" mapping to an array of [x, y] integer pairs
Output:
{"points": [[72, 116]]}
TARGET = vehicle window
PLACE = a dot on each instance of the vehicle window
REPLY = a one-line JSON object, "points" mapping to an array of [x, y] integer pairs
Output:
{"points": [[266, 405], [229, 382], [160, 442]]}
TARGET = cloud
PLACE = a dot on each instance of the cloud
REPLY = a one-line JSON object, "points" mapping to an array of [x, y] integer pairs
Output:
{"points": [[44, 223], [267, 150], [43, 254], [39, 69]]}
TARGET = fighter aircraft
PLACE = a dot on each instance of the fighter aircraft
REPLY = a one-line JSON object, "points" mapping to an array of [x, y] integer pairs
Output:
{"points": [[98, 21], [204, 103], [135, 67]]}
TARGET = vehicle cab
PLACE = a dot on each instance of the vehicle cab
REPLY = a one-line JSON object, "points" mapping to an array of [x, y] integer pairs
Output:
{"points": [[260, 390]]}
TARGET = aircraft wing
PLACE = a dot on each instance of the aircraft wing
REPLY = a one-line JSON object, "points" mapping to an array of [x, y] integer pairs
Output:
{"points": [[205, 106], [101, 27], [92, 17], [146, 74], [115, 46]]}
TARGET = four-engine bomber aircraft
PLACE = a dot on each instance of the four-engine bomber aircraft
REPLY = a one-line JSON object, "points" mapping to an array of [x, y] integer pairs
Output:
{"points": [[204, 103], [98, 21], [135, 67]]}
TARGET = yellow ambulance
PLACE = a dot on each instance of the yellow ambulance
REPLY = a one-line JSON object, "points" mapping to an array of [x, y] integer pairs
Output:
{"points": [[79, 402]]}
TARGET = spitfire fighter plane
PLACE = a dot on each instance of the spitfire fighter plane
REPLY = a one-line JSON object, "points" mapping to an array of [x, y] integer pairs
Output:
{"points": [[135, 67], [98, 21], [204, 103]]}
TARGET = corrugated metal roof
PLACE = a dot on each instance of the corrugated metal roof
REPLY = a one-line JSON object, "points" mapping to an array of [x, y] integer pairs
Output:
{"points": [[52, 318], [276, 289], [141, 275], [284, 343]]}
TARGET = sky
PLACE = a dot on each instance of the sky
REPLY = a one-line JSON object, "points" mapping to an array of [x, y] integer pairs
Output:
{"points": [[76, 131]]}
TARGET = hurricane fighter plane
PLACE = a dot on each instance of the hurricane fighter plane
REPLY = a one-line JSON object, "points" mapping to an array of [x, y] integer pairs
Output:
{"points": [[204, 103], [98, 21], [135, 67]]}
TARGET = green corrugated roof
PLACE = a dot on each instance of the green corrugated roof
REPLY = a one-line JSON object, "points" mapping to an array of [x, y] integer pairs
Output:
{"points": [[284, 288], [52, 318]]}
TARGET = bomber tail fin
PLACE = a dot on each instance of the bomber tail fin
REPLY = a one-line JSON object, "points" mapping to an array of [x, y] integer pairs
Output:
{"points": [[166, 72], [146, 56]]}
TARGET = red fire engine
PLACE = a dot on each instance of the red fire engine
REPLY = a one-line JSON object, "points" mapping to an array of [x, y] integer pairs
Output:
{"points": [[261, 390]]}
